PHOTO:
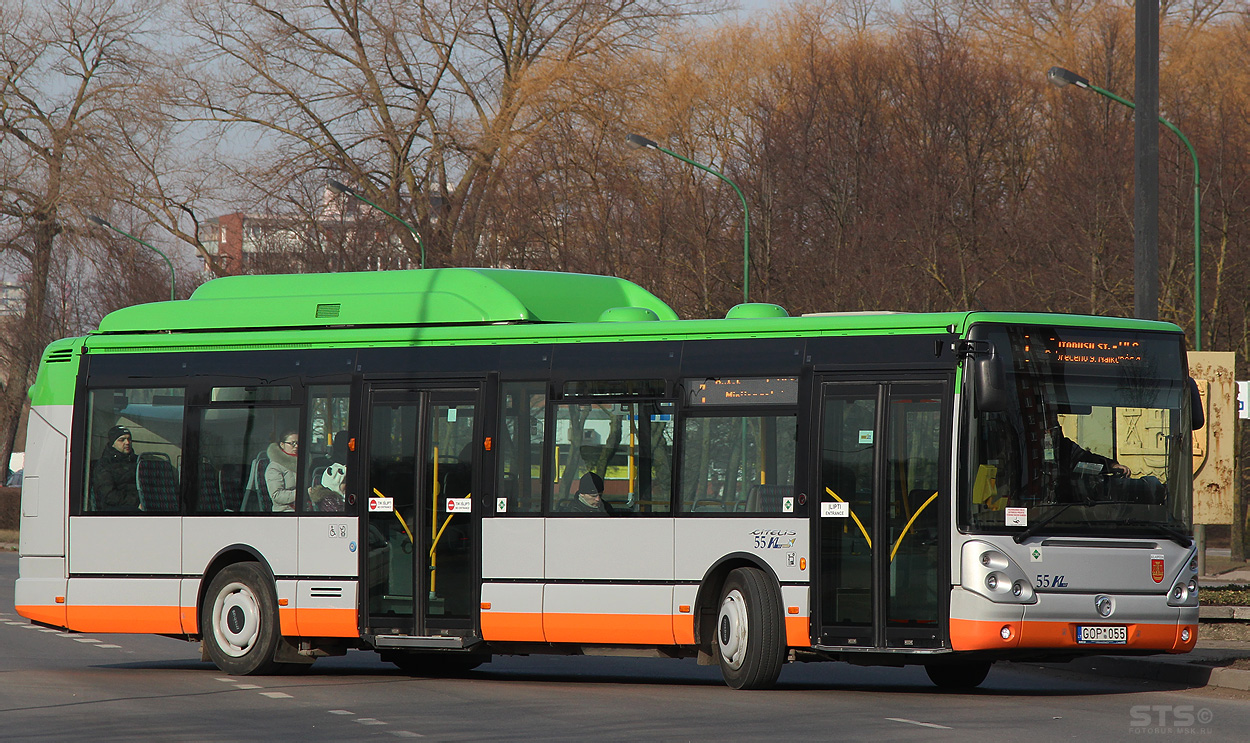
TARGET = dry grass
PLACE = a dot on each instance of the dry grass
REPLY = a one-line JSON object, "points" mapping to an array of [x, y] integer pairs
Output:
{"points": [[8, 537]]}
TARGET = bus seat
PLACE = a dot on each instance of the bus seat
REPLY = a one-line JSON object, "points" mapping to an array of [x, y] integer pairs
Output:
{"points": [[256, 494], [768, 498], [708, 506], [231, 480], [157, 481], [210, 500]]}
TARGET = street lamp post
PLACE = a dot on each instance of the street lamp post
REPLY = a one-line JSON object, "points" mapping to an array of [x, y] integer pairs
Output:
{"points": [[104, 223], [349, 191], [637, 141], [1060, 77]]}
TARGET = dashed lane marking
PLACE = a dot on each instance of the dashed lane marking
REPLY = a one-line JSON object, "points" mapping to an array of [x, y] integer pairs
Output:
{"points": [[921, 724], [368, 721], [247, 687], [85, 639], [108, 646], [276, 695], [405, 734], [341, 712]]}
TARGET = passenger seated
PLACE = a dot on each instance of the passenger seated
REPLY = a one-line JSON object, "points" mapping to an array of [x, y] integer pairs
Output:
{"points": [[113, 475], [280, 475], [329, 494], [589, 496]]}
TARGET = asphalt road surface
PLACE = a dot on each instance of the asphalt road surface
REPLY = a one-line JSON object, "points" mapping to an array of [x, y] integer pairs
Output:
{"points": [[59, 686]]}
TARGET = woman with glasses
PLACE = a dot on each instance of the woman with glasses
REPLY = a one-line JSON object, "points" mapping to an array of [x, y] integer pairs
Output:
{"points": [[280, 474]]}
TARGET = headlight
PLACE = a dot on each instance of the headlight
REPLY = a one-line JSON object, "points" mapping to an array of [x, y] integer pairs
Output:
{"points": [[988, 571]]}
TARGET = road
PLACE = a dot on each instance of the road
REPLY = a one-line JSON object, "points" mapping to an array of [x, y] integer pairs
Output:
{"points": [[57, 686]]}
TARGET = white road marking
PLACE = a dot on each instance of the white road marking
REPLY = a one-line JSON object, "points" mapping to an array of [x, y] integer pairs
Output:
{"points": [[368, 721], [341, 712], [405, 734], [85, 639], [31, 626], [248, 686], [53, 631], [921, 724], [108, 646], [226, 679], [276, 695]]}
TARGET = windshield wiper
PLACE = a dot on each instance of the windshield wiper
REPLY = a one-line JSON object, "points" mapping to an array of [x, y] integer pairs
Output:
{"points": [[1176, 535]]}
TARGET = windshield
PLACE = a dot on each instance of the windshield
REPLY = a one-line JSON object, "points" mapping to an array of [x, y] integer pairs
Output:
{"points": [[1092, 439]]}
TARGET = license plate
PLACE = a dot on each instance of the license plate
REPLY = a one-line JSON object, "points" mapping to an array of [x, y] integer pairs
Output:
{"points": [[1092, 635]]}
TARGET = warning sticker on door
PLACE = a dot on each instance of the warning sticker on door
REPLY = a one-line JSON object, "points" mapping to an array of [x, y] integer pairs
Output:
{"points": [[381, 505], [459, 505]]}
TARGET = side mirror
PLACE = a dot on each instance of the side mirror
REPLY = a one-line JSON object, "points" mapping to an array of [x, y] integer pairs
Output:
{"points": [[989, 383], [1197, 413]]}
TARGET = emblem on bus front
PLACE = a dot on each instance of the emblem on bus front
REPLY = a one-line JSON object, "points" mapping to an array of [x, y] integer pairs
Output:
{"points": [[1156, 568]]}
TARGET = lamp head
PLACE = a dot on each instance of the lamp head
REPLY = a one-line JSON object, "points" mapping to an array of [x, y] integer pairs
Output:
{"points": [[638, 142], [98, 221], [340, 188], [1059, 77]]}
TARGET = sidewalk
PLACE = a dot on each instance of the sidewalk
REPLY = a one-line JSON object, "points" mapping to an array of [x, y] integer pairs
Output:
{"points": [[1221, 657]]}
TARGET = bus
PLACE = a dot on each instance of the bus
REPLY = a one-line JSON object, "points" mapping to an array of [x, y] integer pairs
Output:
{"points": [[445, 465]]}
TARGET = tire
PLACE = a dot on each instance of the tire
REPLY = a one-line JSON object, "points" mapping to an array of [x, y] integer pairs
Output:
{"points": [[749, 641], [436, 664], [959, 676], [239, 621]]}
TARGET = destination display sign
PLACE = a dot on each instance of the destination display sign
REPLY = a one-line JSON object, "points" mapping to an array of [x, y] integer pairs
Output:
{"points": [[743, 391], [1097, 351]]}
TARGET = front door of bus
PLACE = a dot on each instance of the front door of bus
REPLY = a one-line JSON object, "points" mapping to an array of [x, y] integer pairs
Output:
{"points": [[882, 514], [422, 461]]}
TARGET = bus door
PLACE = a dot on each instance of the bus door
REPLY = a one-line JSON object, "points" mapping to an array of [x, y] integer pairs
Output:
{"points": [[420, 586], [882, 516]]}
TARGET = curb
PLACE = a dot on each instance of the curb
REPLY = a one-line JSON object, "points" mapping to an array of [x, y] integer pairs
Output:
{"points": [[1186, 673]]}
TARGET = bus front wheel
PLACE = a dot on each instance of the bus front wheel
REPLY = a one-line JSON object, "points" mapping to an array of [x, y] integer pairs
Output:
{"points": [[749, 640], [962, 675], [239, 622]]}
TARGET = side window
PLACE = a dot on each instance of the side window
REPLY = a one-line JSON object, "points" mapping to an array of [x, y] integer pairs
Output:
{"points": [[327, 439], [623, 450], [738, 464], [523, 431], [249, 459], [134, 444]]}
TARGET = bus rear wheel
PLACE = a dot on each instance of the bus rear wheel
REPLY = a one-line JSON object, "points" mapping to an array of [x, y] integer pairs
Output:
{"points": [[962, 675], [749, 641], [239, 621]]}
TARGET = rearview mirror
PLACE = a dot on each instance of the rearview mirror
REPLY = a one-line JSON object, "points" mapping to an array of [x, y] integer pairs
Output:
{"points": [[989, 383]]}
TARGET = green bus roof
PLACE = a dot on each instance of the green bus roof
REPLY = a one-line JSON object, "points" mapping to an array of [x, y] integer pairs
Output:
{"points": [[482, 305], [441, 296]]}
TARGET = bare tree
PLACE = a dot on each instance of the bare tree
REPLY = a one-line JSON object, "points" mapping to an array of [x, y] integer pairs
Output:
{"points": [[413, 103], [69, 68]]}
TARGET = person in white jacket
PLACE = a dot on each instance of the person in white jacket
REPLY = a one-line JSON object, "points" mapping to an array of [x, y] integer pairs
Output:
{"points": [[280, 474]]}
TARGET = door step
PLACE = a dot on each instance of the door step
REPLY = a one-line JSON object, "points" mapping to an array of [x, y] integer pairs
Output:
{"points": [[416, 641]]}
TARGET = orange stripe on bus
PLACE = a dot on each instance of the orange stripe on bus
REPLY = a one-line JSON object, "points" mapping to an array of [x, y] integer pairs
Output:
{"points": [[979, 634], [683, 629], [154, 620], [798, 632], [288, 622], [512, 626], [53, 615], [327, 622], [614, 629]]}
